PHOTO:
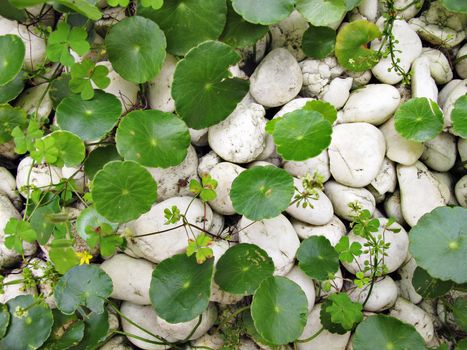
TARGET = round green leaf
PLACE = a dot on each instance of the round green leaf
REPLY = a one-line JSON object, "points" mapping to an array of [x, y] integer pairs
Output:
{"points": [[279, 310], [419, 119], [98, 158], [427, 286], [12, 89], [438, 243], [153, 138], [11, 59], [9, 119], [4, 319], [89, 119], [84, 285], [41, 222], [262, 192], [240, 33], [122, 191], [180, 288], [318, 258], [459, 6], [59, 89], [301, 134], [71, 150], [327, 110], [459, 310], [459, 117], [203, 92], [318, 42], [242, 268], [67, 331], [96, 331], [263, 11], [136, 48], [322, 12], [27, 330], [90, 217], [351, 50], [385, 332], [187, 23]]}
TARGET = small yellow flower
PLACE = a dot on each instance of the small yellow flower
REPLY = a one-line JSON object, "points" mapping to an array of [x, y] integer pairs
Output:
{"points": [[84, 257]]}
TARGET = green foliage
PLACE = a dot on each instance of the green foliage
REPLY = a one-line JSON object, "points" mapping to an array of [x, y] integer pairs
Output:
{"points": [[351, 50], [30, 324], [322, 12], [25, 141], [200, 248], [318, 42], [62, 255], [82, 7], [185, 30], [301, 134], [122, 191], [419, 119], [66, 147], [203, 91], [240, 33], [318, 258], [262, 192], [18, 231], [347, 252], [67, 331], [427, 286], [98, 158], [172, 216], [458, 117], [339, 314], [121, 3], [155, 4], [83, 73], [206, 190], [327, 110], [4, 319], [180, 288], [12, 89], [153, 138], [459, 310], [10, 118], [11, 61], [385, 332], [279, 310], [89, 119], [263, 12], [84, 285], [95, 331], [63, 39], [458, 6], [242, 268], [438, 243], [136, 48]]}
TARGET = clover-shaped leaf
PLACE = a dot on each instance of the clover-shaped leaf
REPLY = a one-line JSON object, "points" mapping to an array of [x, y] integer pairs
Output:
{"points": [[84, 285], [63, 39], [351, 50], [121, 3], [200, 247], [155, 4], [206, 189], [339, 314], [348, 251], [18, 231], [83, 73]]}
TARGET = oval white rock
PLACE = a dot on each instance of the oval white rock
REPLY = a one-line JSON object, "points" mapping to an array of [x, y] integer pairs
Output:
{"points": [[276, 236], [374, 104], [305, 282], [224, 173], [356, 153], [131, 278], [159, 89], [277, 79], [440, 153], [341, 196], [318, 211], [382, 297], [396, 253], [161, 246], [333, 230], [319, 164], [420, 191], [461, 191], [399, 149]]}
